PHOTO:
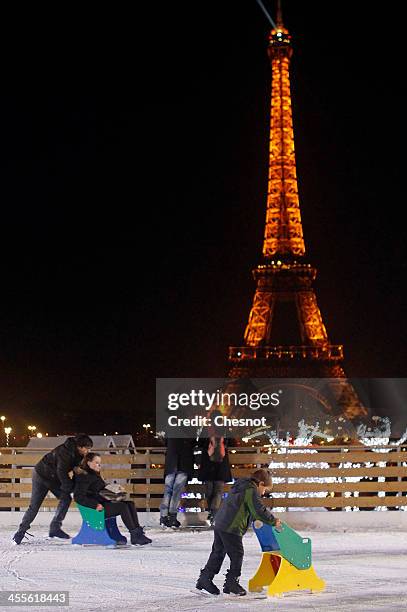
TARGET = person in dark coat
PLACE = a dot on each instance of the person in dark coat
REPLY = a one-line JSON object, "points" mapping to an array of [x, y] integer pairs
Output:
{"points": [[214, 474], [179, 468], [52, 474], [88, 492], [214, 469]]}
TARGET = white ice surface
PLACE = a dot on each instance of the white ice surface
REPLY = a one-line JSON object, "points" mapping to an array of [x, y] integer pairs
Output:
{"points": [[363, 571]]}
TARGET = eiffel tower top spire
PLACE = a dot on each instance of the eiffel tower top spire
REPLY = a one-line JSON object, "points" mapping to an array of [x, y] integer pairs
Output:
{"points": [[279, 19], [283, 233]]}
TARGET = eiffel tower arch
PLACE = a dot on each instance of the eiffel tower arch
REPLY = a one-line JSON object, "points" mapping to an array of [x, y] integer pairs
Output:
{"points": [[285, 336]]}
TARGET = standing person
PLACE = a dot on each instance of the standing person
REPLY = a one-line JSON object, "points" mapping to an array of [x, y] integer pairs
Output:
{"points": [[232, 520], [52, 474], [179, 468], [88, 492], [214, 470]]}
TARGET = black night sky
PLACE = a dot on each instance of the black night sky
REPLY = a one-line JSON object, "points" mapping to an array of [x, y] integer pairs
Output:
{"points": [[133, 180]]}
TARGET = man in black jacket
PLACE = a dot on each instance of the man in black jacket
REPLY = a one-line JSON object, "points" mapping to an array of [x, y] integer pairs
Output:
{"points": [[52, 474]]}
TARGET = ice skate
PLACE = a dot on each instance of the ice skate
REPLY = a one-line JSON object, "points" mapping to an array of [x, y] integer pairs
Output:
{"points": [[164, 521], [58, 533], [173, 522], [232, 586], [20, 535], [138, 538], [204, 583]]}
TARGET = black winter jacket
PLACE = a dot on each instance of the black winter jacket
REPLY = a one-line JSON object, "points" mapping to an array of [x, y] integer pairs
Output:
{"points": [[180, 456], [56, 465], [211, 470], [88, 483]]}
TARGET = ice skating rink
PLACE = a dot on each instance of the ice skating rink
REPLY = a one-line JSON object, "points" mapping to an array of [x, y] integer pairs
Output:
{"points": [[363, 571]]}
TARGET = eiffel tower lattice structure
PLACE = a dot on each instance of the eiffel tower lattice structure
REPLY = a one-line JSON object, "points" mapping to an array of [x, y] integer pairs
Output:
{"points": [[285, 336]]}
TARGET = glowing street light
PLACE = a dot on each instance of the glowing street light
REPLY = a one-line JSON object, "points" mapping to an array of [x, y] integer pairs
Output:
{"points": [[31, 429], [2, 419], [7, 431], [146, 426], [39, 434]]}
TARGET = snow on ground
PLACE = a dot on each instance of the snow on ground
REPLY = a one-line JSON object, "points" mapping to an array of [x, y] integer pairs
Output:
{"points": [[363, 571]]}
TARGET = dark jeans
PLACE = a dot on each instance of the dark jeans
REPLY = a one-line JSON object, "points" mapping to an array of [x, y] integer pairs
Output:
{"points": [[127, 511], [40, 488], [213, 493], [174, 486], [225, 544]]}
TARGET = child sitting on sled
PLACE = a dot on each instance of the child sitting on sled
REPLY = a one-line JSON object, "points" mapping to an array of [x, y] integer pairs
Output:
{"points": [[241, 506]]}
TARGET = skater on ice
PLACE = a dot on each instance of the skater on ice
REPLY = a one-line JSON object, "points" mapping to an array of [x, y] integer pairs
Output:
{"points": [[179, 468], [238, 509], [88, 492], [52, 474], [214, 470]]}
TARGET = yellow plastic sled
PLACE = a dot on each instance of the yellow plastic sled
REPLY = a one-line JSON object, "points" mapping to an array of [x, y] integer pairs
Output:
{"points": [[286, 562]]}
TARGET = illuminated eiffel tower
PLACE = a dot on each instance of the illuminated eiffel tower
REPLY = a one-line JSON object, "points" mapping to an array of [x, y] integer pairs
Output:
{"points": [[285, 336]]}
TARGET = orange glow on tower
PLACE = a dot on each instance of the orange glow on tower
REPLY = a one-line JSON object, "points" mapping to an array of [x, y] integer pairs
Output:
{"points": [[283, 232], [285, 335]]}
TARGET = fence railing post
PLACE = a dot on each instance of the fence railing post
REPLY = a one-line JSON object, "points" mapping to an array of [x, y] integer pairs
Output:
{"points": [[148, 480]]}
